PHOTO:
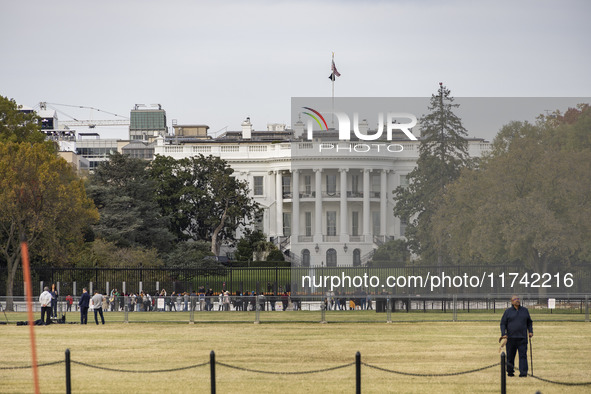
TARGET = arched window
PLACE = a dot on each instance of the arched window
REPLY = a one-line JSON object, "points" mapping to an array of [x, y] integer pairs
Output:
{"points": [[331, 258], [356, 257], [305, 258]]}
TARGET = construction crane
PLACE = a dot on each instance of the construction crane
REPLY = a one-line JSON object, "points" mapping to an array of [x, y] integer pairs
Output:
{"points": [[74, 122]]}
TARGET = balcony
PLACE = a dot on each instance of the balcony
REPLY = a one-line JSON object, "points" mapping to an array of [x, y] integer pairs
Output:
{"points": [[331, 238], [356, 238]]}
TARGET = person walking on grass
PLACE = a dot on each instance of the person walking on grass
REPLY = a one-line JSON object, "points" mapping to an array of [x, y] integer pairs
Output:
{"points": [[97, 301], [516, 327]]}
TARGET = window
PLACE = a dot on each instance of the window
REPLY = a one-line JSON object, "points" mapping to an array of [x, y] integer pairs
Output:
{"points": [[286, 224], [331, 223], [403, 224], [331, 184], [355, 184], [305, 258], [403, 181], [258, 185], [376, 222], [258, 221], [308, 223], [355, 223], [308, 185], [375, 186], [331, 258], [356, 257], [286, 186]]}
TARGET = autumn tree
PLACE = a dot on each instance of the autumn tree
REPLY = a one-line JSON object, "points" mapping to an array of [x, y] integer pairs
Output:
{"points": [[443, 152], [43, 202], [528, 204]]}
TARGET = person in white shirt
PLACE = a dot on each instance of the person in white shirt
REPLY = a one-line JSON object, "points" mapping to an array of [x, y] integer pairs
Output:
{"points": [[97, 301], [45, 301]]}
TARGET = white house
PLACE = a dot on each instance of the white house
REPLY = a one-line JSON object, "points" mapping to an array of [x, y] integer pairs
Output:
{"points": [[326, 202]]}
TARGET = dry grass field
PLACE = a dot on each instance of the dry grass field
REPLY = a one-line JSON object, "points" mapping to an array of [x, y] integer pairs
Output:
{"points": [[562, 352]]}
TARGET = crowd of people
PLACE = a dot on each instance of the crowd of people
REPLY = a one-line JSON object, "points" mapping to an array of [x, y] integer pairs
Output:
{"points": [[202, 300], [361, 300]]}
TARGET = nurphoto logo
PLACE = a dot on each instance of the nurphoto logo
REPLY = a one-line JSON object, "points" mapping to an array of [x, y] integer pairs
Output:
{"points": [[393, 121]]}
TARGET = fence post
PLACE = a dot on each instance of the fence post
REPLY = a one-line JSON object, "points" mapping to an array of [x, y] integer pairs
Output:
{"points": [[257, 313], [126, 309], [587, 308], [455, 302], [503, 374], [212, 370], [358, 373], [68, 379], [388, 310]]}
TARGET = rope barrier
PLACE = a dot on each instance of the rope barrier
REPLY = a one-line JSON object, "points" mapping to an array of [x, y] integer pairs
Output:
{"points": [[30, 366], [561, 383], [429, 374], [292, 373], [139, 371], [284, 373]]}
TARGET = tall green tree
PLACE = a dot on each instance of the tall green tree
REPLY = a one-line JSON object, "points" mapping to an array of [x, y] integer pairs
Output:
{"points": [[203, 199], [528, 203], [443, 152], [43, 202], [125, 196]]}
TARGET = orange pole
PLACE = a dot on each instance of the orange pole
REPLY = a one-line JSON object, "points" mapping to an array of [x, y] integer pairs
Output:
{"points": [[29, 288]]}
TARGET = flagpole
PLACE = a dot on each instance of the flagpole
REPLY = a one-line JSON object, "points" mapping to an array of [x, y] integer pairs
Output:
{"points": [[333, 78]]}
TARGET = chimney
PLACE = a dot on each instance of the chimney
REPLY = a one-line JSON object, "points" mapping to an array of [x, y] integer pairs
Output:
{"points": [[298, 129], [247, 129], [363, 127]]}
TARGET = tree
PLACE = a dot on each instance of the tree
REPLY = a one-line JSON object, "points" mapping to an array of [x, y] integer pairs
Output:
{"points": [[443, 152], [125, 195], [104, 254], [18, 126], [254, 246], [394, 252], [528, 203], [192, 254], [203, 199], [43, 202]]}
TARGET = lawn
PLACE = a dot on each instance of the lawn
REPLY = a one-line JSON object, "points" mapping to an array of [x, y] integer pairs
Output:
{"points": [[562, 352]]}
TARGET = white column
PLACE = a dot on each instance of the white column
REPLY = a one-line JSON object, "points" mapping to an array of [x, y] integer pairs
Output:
{"points": [[279, 203], [318, 206], [383, 201], [295, 205], [273, 194], [344, 233], [366, 211]]}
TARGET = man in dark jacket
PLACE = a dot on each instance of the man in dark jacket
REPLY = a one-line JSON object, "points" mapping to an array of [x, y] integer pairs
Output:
{"points": [[516, 326], [84, 304]]}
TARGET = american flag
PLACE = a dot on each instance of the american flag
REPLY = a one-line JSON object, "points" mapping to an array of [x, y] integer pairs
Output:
{"points": [[335, 73]]}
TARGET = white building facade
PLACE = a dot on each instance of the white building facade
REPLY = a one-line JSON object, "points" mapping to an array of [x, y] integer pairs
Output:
{"points": [[325, 202]]}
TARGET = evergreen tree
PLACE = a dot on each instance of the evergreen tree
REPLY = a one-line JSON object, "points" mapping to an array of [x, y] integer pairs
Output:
{"points": [[125, 195], [443, 152]]}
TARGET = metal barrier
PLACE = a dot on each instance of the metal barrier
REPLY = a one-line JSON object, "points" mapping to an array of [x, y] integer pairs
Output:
{"points": [[326, 308]]}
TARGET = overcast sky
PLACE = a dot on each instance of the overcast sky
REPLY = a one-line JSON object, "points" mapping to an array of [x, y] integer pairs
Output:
{"points": [[216, 63]]}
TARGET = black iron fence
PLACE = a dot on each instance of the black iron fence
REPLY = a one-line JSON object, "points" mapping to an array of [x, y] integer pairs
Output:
{"points": [[402, 281]]}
